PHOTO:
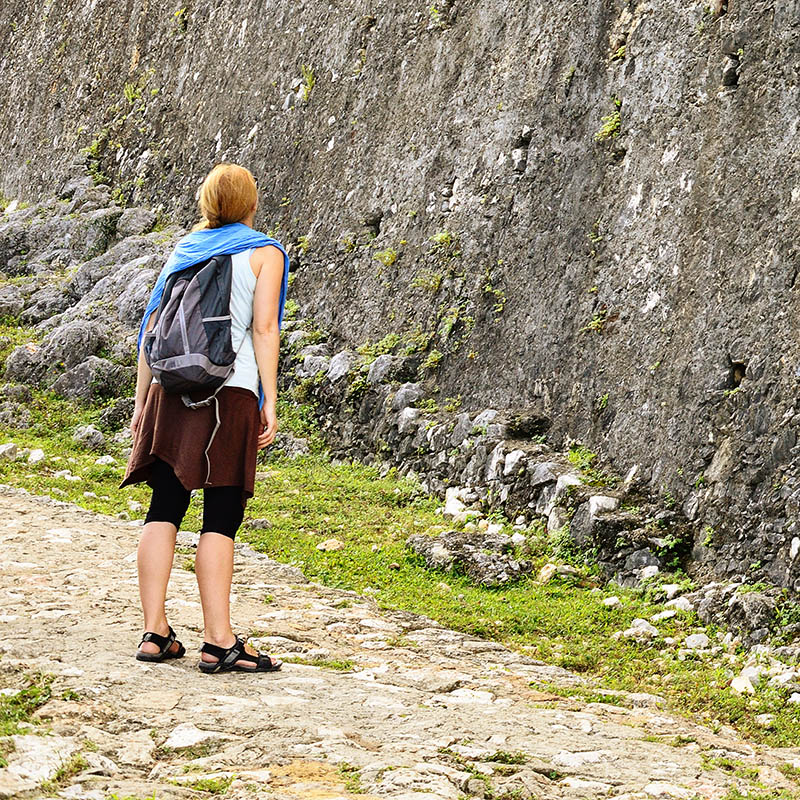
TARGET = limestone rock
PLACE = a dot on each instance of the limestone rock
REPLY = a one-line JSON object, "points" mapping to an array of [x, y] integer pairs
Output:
{"points": [[330, 545]]}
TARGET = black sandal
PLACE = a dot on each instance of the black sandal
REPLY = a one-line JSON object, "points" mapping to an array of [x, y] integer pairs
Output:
{"points": [[163, 643], [229, 659]]}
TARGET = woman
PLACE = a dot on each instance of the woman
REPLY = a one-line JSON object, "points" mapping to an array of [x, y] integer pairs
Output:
{"points": [[170, 440]]}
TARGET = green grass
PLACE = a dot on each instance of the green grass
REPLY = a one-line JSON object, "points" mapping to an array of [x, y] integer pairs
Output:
{"points": [[19, 708], [211, 785], [351, 777], [340, 665]]}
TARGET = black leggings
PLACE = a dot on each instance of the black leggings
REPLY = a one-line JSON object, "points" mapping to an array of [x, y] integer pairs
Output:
{"points": [[223, 511]]}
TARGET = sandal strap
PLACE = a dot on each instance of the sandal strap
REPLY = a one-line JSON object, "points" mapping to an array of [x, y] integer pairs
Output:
{"points": [[229, 656], [163, 643]]}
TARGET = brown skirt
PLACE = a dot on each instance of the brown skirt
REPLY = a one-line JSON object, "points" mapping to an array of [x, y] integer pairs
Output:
{"points": [[179, 435]]}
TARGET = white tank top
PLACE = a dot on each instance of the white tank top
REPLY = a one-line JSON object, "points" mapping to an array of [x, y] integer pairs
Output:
{"points": [[243, 287]]}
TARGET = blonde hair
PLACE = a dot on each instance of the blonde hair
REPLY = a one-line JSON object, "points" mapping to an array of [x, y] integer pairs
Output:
{"points": [[228, 194]]}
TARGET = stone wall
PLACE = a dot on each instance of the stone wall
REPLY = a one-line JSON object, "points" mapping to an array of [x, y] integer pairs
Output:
{"points": [[591, 209]]}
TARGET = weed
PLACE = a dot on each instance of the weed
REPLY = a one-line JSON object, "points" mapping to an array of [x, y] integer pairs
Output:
{"points": [[596, 323], [309, 81], [19, 708], [428, 280], [612, 123], [498, 294], [211, 785], [351, 776], [303, 243], [386, 257], [339, 665], [68, 769], [432, 361], [619, 55], [602, 402]]}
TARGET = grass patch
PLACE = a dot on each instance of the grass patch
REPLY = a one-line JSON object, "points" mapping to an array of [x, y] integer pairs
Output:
{"points": [[342, 665], [351, 776], [19, 708], [211, 785], [584, 694], [69, 769]]}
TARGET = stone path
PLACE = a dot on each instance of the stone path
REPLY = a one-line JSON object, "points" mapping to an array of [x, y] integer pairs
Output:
{"points": [[423, 712]]}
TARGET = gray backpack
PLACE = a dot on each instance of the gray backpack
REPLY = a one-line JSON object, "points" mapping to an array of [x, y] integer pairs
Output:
{"points": [[189, 348]]}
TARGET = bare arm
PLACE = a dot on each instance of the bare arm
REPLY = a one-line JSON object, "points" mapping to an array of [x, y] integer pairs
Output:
{"points": [[267, 263], [143, 379]]}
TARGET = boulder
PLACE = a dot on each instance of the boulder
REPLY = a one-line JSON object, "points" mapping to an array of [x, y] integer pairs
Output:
{"points": [[89, 437], [135, 221], [485, 558], [95, 378]]}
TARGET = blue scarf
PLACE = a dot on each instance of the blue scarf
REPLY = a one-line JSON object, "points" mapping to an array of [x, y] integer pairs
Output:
{"points": [[203, 244]]}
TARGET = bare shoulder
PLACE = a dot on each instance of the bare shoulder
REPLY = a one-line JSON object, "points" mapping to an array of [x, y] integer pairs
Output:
{"points": [[268, 255]]}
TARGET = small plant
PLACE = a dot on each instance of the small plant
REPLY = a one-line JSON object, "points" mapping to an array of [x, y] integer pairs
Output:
{"points": [[499, 295], [179, 20], [309, 81], [212, 785], [612, 123], [452, 404], [602, 402], [442, 241], [429, 405], [567, 78], [387, 257], [303, 243], [619, 55], [351, 776], [428, 280], [432, 361], [596, 323], [437, 18]]}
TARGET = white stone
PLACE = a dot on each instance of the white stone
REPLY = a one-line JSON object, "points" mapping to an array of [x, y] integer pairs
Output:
{"points": [[648, 572], [494, 469], [681, 603], [105, 461], [187, 734], [564, 482], [697, 641], [640, 629], [765, 720], [783, 678], [663, 789], [547, 572], [575, 760], [671, 590], [494, 528], [518, 539], [406, 419], [795, 698], [34, 759], [35, 456], [794, 549], [600, 503], [512, 462], [612, 602], [330, 545], [632, 473], [453, 506], [8, 451], [662, 615]]}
